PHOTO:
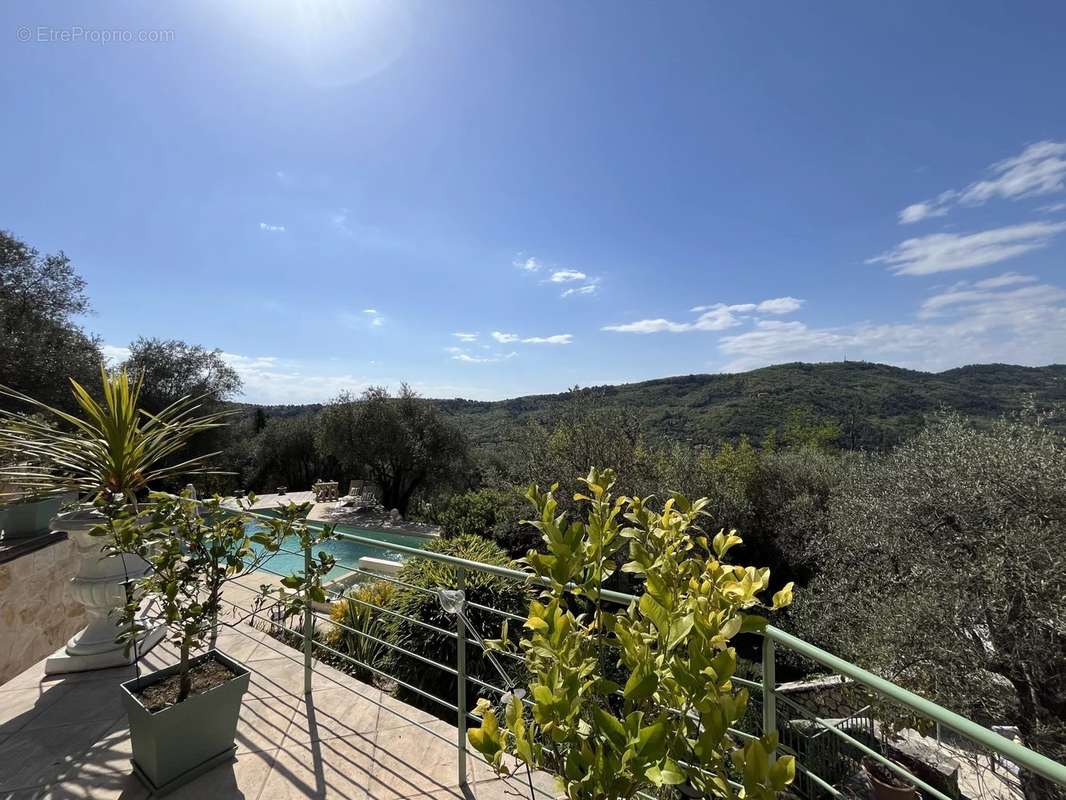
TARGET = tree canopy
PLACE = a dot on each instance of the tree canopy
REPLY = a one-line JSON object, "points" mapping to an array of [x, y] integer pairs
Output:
{"points": [[943, 566], [173, 369], [41, 345], [402, 443]]}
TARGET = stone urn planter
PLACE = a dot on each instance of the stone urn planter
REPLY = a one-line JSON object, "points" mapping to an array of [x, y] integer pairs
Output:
{"points": [[23, 519], [99, 587], [182, 741]]}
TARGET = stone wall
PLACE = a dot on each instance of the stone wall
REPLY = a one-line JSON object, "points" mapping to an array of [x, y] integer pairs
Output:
{"points": [[37, 613], [832, 697]]}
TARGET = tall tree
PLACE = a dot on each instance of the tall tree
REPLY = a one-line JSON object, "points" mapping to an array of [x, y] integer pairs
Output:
{"points": [[173, 369], [285, 454], [944, 566], [40, 343], [402, 443]]}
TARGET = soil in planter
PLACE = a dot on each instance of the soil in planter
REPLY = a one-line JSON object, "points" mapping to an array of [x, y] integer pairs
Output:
{"points": [[885, 775], [204, 676]]}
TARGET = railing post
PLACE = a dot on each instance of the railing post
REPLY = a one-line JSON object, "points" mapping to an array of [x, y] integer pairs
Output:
{"points": [[769, 688], [309, 623], [460, 667]]}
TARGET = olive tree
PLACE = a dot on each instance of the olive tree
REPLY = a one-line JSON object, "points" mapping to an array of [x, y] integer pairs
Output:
{"points": [[943, 566], [40, 342], [402, 443], [172, 369]]}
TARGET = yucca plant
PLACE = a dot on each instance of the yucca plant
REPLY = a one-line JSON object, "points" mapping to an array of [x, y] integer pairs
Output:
{"points": [[113, 448], [359, 627]]}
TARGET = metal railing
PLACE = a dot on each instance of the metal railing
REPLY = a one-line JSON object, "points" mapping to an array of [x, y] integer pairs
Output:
{"points": [[765, 688]]}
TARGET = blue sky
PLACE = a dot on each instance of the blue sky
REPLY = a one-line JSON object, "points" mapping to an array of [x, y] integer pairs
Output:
{"points": [[488, 199]]}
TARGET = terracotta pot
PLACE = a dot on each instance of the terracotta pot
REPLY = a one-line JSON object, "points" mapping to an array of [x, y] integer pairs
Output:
{"points": [[886, 791]]}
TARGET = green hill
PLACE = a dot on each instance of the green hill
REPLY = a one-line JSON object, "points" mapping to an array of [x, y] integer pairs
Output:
{"points": [[875, 405]]}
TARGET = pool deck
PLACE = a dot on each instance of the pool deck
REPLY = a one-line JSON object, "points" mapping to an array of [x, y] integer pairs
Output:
{"points": [[66, 736], [335, 513], [270, 501]]}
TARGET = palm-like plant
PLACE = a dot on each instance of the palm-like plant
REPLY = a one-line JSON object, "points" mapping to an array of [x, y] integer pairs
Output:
{"points": [[113, 449]]}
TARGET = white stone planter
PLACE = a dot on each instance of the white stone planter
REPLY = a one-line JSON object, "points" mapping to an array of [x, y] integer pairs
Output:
{"points": [[98, 586]]}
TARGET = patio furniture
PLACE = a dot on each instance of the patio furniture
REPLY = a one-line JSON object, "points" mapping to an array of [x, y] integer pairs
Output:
{"points": [[325, 491]]}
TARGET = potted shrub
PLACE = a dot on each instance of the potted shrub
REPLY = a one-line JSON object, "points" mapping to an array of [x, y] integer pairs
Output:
{"points": [[24, 512], [634, 701], [108, 455], [888, 785], [183, 718]]}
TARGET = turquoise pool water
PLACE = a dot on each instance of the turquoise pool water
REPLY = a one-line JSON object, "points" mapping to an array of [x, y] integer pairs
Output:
{"points": [[345, 551]]}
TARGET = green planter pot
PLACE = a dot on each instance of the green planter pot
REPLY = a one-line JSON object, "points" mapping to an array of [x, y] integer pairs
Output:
{"points": [[23, 520], [183, 741]]}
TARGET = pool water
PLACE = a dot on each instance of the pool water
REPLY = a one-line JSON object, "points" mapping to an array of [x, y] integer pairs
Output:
{"points": [[345, 551]]}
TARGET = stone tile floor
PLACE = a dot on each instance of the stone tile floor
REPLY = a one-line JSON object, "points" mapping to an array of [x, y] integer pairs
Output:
{"points": [[66, 737]]}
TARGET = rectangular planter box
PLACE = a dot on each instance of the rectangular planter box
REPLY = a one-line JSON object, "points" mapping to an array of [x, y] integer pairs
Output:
{"points": [[21, 520], [180, 742]]}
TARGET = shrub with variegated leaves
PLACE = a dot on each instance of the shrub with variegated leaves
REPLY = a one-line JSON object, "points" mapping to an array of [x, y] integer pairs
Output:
{"points": [[625, 700]]}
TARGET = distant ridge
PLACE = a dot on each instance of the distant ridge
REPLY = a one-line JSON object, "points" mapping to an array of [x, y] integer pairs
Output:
{"points": [[875, 404]]}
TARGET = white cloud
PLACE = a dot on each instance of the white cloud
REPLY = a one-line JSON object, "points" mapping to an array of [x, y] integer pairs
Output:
{"points": [[779, 305], [339, 220], [267, 379], [919, 211], [650, 326], [1007, 319], [715, 317], [376, 320], [941, 252], [114, 355], [465, 337], [1006, 279], [528, 264], [988, 297], [359, 321], [264, 226], [459, 354], [559, 338], [1038, 170], [1051, 208], [506, 338], [588, 288], [567, 275]]}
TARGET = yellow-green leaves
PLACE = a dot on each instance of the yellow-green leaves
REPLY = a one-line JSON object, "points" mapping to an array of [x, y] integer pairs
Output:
{"points": [[764, 778], [676, 699], [488, 740], [783, 597], [723, 542]]}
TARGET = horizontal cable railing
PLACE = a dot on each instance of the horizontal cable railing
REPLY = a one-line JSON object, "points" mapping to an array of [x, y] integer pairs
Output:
{"points": [[766, 689]]}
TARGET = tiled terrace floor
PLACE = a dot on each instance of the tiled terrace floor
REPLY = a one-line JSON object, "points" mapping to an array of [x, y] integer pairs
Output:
{"points": [[66, 737]]}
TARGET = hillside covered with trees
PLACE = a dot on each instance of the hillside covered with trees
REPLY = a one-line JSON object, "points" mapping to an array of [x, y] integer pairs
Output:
{"points": [[874, 406]]}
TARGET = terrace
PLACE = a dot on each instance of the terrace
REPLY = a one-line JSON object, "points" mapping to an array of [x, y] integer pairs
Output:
{"points": [[310, 730]]}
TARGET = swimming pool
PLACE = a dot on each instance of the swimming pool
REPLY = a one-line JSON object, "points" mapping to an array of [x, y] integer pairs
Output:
{"points": [[345, 551]]}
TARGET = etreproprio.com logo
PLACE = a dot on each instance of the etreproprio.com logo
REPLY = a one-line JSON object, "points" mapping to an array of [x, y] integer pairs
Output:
{"points": [[79, 33]]}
